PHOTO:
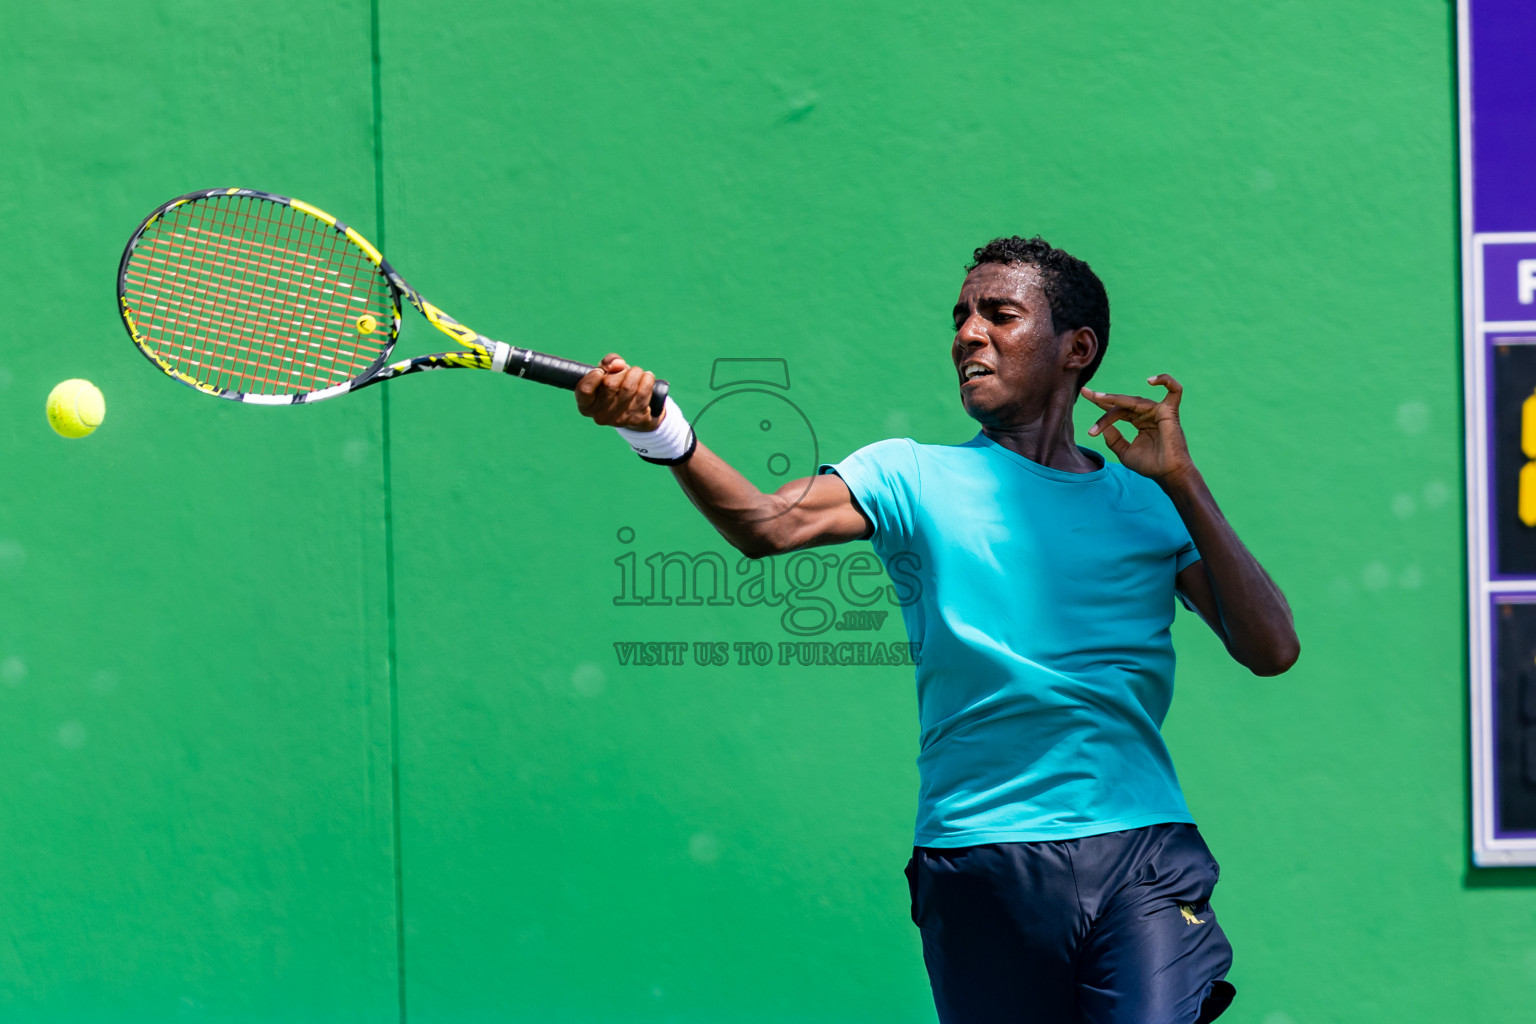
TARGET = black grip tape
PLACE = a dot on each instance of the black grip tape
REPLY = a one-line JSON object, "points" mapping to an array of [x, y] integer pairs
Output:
{"points": [[546, 369], [566, 373]]}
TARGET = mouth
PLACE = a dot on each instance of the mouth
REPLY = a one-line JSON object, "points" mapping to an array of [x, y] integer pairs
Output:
{"points": [[972, 371]]}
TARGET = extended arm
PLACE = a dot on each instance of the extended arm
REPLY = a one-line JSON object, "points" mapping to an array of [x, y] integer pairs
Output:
{"points": [[803, 513], [1228, 586]]}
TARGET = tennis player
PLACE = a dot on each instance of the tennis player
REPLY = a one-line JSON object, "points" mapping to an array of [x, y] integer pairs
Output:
{"points": [[1057, 874]]}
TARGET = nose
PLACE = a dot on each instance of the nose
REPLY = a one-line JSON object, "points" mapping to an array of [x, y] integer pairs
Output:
{"points": [[972, 332]]}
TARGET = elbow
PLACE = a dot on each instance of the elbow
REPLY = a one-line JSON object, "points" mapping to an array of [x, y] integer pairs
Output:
{"points": [[756, 532], [756, 544], [753, 550], [1276, 661]]}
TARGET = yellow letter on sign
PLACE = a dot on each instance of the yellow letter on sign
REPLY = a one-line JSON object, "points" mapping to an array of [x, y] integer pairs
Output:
{"points": [[1528, 427], [1528, 494]]}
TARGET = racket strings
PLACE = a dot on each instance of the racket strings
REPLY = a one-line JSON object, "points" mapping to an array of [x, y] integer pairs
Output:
{"points": [[215, 299], [289, 368], [286, 367], [205, 305], [267, 295], [245, 294]]}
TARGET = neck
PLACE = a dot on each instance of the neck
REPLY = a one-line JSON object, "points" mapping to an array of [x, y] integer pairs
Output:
{"points": [[1047, 439]]}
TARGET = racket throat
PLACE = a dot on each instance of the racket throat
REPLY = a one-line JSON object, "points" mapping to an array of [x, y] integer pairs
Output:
{"points": [[501, 358]]}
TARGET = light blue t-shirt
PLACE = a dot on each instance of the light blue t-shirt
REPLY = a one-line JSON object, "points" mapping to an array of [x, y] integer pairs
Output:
{"points": [[1043, 613]]}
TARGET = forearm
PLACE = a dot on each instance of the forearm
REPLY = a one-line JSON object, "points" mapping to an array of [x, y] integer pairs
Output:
{"points": [[803, 513], [744, 515], [1255, 617]]}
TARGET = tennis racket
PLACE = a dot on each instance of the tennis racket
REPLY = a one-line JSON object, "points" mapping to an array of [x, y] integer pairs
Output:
{"points": [[260, 298]]}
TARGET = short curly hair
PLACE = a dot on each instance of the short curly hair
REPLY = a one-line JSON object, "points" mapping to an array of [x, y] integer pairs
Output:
{"points": [[1076, 294]]}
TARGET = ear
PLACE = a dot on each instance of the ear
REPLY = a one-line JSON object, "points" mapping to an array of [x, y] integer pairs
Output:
{"points": [[1078, 347]]}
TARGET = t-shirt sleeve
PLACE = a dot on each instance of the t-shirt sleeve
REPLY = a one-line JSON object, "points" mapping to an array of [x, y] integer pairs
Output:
{"points": [[1188, 555], [1166, 523], [883, 478]]}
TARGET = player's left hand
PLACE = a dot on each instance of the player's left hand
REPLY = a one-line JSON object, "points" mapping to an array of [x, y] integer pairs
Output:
{"points": [[1158, 450]]}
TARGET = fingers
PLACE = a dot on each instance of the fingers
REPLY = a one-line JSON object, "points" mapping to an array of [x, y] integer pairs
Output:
{"points": [[586, 390], [587, 386], [1132, 403], [618, 391], [1158, 448], [616, 394], [1114, 439], [1104, 421], [635, 395], [1135, 403], [1175, 389], [640, 395]]}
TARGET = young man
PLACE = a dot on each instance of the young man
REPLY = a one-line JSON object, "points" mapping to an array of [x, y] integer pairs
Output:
{"points": [[1057, 875]]}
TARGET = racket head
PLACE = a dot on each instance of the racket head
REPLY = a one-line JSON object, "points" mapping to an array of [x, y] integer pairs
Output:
{"points": [[257, 297]]}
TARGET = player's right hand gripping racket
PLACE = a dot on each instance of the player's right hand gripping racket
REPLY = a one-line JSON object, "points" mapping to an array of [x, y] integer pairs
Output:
{"points": [[260, 298]]}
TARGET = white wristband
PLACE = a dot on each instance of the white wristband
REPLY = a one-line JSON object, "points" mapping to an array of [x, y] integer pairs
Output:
{"points": [[670, 443]]}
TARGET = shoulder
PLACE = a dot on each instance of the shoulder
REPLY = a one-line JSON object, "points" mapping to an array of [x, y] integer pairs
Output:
{"points": [[893, 449], [1136, 493], [904, 456], [885, 458]]}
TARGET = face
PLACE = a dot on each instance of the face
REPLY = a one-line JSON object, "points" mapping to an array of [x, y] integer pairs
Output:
{"points": [[1009, 359]]}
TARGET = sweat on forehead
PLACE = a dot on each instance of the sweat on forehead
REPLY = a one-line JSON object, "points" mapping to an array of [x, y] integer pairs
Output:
{"points": [[1000, 278], [1001, 285]]}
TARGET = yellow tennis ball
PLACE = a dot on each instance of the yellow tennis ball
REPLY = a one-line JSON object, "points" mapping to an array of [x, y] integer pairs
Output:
{"points": [[75, 408], [366, 324]]}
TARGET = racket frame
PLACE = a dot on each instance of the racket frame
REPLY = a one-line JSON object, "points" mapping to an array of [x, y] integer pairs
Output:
{"points": [[479, 352]]}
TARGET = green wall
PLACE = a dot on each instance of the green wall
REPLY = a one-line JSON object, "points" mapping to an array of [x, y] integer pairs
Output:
{"points": [[197, 710]]}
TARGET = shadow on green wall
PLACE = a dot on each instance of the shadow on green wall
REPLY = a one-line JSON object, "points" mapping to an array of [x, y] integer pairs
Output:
{"points": [[1498, 878]]}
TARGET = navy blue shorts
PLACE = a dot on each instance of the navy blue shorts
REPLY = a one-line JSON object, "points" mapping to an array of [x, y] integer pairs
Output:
{"points": [[1107, 929]]}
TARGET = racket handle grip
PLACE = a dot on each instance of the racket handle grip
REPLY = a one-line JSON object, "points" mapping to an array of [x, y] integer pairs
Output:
{"points": [[566, 373]]}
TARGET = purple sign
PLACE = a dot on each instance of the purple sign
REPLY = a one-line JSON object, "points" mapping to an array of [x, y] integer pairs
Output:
{"points": [[1498, 153], [1502, 34]]}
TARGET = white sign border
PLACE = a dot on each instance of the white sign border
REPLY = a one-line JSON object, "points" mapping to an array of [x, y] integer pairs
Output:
{"points": [[1487, 849]]}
